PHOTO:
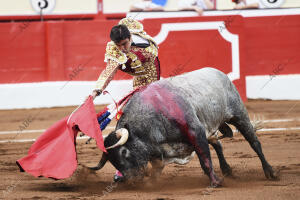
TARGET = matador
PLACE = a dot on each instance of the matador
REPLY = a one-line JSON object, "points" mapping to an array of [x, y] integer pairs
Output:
{"points": [[133, 51]]}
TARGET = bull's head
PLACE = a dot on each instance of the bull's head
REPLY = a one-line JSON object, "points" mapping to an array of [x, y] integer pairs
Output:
{"points": [[127, 154]]}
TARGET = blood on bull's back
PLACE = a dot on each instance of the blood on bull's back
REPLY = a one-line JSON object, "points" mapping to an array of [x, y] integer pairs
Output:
{"points": [[207, 92]]}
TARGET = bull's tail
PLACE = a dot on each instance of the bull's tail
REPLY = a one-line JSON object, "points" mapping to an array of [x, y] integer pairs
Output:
{"points": [[257, 123]]}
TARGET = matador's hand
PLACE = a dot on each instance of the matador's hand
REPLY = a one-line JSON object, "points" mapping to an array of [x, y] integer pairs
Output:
{"points": [[96, 93]]}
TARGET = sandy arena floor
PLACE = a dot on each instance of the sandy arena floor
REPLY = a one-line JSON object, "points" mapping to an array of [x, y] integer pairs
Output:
{"points": [[280, 146]]}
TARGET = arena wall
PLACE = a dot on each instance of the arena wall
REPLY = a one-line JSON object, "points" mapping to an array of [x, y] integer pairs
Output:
{"points": [[56, 63]]}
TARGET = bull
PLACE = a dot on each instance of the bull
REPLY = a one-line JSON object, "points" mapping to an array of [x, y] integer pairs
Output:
{"points": [[172, 118]]}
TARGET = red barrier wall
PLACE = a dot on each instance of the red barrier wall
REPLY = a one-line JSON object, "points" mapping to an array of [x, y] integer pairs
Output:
{"points": [[270, 42], [54, 50]]}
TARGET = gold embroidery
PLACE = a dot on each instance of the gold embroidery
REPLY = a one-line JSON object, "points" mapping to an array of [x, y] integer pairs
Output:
{"points": [[136, 64], [150, 74], [107, 75], [135, 27], [113, 53], [144, 73], [132, 56], [152, 49]]}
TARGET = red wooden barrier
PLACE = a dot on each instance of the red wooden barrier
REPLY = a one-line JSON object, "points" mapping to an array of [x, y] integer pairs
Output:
{"points": [[55, 50]]}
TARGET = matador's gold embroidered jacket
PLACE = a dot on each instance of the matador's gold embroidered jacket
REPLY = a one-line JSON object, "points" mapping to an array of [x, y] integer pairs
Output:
{"points": [[142, 63]]}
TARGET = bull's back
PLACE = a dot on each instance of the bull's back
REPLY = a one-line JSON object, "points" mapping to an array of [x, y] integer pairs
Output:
{"points": [[206, 82], [205, 93], [210, 92]]}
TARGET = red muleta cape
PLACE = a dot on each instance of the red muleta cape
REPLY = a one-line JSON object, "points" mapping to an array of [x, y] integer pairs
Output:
{"points": [[53, 155]]}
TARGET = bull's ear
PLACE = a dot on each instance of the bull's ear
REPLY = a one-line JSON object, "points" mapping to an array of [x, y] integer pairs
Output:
{"points": [[111, 139], [127, 127], [122, 134]]}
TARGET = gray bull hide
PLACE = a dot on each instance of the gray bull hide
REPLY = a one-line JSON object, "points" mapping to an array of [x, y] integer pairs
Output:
{"points": [[171, 118]]}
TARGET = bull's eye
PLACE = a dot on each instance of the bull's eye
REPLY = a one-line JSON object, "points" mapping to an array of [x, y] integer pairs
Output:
{"points": [[124, 152]]}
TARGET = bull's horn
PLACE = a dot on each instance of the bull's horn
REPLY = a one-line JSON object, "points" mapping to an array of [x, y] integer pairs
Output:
{"points": [[101, 162], [123, 134]]}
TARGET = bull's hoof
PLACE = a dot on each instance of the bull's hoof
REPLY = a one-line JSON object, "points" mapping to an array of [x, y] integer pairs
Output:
{"points": [[215, 184], [270, 174], [227, 171]]}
